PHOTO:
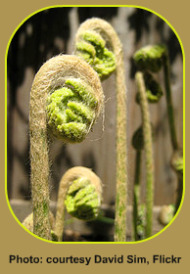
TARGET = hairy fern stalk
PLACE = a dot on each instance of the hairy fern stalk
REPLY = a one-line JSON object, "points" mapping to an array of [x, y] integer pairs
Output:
{"points": [[66, 99]]}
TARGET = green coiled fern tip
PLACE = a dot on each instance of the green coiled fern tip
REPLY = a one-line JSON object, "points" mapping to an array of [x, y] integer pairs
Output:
{"points": [[82, 200], [92, 48], [71, 110], [150, 57]]}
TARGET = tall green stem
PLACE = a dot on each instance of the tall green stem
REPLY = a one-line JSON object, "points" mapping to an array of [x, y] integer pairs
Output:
{"points": [[171, 118], [136, 194], [148, 152], [169, 100]]}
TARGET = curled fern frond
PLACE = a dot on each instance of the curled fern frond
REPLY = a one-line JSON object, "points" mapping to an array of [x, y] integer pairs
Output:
{"points": [[91, 46], [65, 100], [150, 57], [153, 89], [80, 191], [71, 110]]}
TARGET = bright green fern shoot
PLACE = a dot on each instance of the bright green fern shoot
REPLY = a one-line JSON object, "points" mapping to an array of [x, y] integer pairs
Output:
{"points": [[92, 48], [71, 110], [82, 200]]}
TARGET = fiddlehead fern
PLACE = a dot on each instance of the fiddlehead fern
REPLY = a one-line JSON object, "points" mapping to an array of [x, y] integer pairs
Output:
{"points": [[71, 110], [177, 163], [91, 47], [150, 57], [153, 58], [66, 94], [80, 191], [166, 214], [98, 44], [153, 89]]}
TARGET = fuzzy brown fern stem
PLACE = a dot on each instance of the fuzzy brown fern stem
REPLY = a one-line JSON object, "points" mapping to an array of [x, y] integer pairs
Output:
{"points": [[148, 152], [98, 43], [66, 94]]}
